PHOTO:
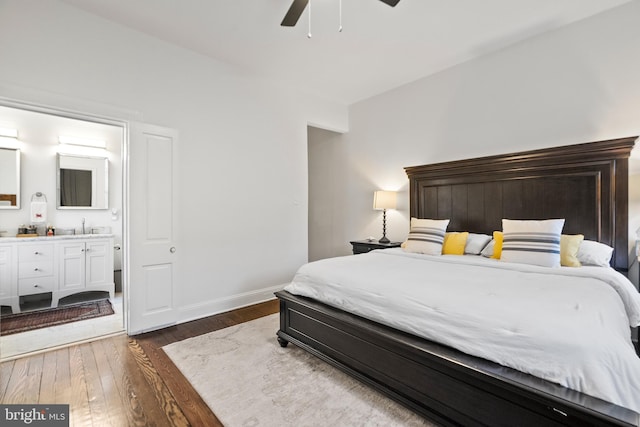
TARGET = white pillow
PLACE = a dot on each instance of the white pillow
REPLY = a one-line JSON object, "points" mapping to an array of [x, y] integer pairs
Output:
{"points": [[532, 242], [595, 253], [488, 250], [426, 236], [476, 243]]}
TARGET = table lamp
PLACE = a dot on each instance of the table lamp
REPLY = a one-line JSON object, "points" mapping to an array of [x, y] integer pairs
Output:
{"points": [[383, 200]]}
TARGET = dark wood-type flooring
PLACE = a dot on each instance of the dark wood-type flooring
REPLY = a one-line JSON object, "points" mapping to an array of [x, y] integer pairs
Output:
{"points": [[120, 381]]}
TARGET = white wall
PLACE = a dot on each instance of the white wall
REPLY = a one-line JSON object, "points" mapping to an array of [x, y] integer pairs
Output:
{"points": [[577, 84], [242, 163]]}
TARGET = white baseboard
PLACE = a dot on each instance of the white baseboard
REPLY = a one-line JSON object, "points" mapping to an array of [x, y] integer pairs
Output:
{"points": [[221, 305]]}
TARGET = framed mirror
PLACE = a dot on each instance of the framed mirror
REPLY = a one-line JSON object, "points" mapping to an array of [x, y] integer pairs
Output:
{"points": [[9, 178], [82, 182]]}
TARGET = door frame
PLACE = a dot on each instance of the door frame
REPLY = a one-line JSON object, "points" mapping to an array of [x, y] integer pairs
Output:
{"points": [[95, 113]]}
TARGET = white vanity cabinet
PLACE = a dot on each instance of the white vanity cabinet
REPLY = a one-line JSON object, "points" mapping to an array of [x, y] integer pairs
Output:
{"points": [[8, 277], [59, 265], [84, 266], [36, 268]]}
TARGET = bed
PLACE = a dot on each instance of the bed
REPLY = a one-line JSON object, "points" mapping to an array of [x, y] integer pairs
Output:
{"points": [[585, 184]]}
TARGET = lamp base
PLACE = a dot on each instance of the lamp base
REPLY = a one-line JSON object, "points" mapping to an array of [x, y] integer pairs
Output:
{"points": [[384, 228]]}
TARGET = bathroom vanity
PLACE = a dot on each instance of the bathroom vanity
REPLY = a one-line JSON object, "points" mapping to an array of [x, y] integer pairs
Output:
{"points": [[55, 265]]}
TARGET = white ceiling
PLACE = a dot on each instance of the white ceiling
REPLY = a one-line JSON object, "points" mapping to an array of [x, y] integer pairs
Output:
{"points": [[379, 48]]}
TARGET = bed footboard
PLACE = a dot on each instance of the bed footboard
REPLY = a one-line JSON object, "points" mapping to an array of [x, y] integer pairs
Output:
{"points": [[442, 384]]}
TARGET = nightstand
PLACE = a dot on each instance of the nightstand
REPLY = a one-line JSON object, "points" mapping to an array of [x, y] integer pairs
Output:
{"points": [[364, 246]]}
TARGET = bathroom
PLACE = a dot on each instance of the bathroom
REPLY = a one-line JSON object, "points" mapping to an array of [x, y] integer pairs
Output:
{"points": [[30, 167]]}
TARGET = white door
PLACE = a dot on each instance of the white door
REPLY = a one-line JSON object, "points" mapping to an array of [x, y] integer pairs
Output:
{"points": [[8, 279], [99, 263], [153, 252], [71, 266]]}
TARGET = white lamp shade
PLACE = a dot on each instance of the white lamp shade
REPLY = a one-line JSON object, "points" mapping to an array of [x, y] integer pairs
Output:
{"points": [[384, 200]]}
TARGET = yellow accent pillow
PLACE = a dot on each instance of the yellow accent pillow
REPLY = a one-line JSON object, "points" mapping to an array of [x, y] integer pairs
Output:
{"points": [[569, 246], [497, 247], [454, 243]]}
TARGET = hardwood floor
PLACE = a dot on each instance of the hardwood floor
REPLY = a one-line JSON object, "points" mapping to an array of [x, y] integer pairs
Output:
{"points": [[120, 381]]}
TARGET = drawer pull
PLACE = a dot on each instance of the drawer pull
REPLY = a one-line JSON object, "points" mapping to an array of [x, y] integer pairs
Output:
{"points": [[36, 253], [36, 286], [36, 269]]}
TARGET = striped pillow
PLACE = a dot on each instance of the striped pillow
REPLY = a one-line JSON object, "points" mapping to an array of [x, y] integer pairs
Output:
{"points": [[426, 236], [532, 242]]}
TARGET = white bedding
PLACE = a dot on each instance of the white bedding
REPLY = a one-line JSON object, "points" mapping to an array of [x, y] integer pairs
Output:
{"points": [[566, 325]]}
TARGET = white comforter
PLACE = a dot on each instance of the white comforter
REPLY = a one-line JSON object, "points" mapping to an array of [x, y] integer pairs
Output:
{"points": [[566, 325]]}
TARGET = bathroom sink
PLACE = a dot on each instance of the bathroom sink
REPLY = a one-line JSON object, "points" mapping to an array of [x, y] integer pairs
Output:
{"points": [[65, 231], [101, 230]]}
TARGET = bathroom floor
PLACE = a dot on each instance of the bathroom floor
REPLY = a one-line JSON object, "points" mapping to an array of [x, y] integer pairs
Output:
{"points": [[15, 345]]}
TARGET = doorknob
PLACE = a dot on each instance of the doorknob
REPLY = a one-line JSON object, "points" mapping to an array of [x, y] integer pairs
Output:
{"points": [[172, 249]]}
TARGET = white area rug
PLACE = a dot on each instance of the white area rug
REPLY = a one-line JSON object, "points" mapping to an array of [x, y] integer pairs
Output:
{"points": [[247, 379]]}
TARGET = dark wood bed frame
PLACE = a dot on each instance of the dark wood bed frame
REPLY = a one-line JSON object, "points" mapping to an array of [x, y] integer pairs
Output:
{"points": [[587, 184]]}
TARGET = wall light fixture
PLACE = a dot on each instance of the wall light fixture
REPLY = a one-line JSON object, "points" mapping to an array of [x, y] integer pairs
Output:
{"points": [[8, 132], [87, 142]]}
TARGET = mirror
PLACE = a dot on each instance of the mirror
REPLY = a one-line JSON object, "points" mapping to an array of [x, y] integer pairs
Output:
{"points": [[82, 182], [9, 178]]}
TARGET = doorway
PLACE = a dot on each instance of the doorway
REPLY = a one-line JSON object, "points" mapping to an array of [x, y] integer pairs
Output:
{"points": [[326, 169], [40, 145]]}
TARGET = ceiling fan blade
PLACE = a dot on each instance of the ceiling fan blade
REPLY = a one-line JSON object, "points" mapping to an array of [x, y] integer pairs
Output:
{"points": [[294, 12], [391, 3]]}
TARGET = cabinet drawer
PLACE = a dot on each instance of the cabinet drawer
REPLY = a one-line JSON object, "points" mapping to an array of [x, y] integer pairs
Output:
{"points": [[35, 269], [29, 253], [35, 285]]}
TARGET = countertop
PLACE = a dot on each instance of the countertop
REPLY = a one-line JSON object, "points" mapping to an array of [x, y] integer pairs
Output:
{"points": [[52, 238]]}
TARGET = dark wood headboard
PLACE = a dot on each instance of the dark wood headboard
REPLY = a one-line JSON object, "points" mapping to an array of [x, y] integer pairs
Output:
{"points": [[587, 184]]}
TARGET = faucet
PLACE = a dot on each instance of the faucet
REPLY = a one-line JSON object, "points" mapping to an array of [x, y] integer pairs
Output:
{"points": [[83, 219]]}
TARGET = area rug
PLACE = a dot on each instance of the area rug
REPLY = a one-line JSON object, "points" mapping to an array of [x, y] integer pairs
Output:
{"points": [[22, 322], [247, 379]]}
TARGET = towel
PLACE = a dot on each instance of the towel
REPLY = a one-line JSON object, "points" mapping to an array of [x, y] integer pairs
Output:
{"points": [[38, 212]]}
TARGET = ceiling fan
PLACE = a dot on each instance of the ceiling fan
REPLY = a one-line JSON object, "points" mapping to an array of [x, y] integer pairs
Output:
{"points": [[298, 6]]}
